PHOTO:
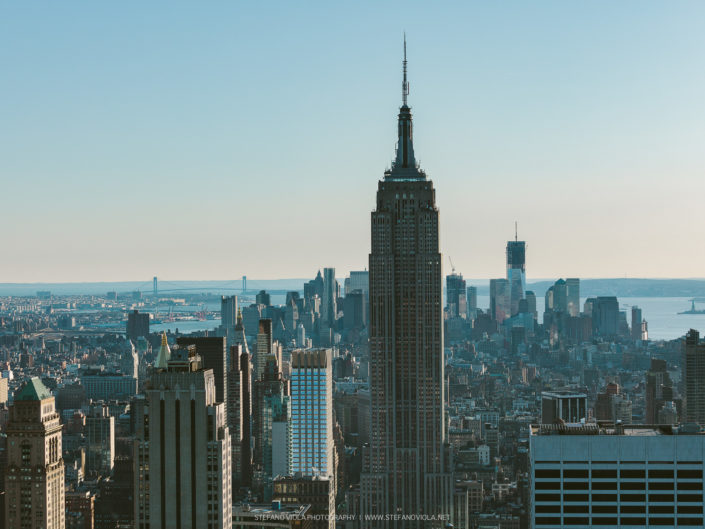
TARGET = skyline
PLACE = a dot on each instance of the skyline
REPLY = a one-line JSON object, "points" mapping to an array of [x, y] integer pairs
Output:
{"points": [[114, 123]]}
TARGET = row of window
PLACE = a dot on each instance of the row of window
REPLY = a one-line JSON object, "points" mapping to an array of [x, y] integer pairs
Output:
{"points": [[624, 498], [654, 473], [614, 485], [623, 509], [612, 520]]}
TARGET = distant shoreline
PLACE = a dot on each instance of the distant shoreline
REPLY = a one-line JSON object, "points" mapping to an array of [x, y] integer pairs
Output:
{"points": [[619, 287]]}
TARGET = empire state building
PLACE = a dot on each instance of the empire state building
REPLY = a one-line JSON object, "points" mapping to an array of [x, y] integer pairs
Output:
{"points": [[407, 479]]}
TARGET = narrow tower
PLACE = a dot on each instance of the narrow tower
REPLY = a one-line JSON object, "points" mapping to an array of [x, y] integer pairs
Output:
{"points": [[407, 465]]}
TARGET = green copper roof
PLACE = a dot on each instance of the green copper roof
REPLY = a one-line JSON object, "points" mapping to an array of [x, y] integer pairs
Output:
{"points": [[33, 390]]}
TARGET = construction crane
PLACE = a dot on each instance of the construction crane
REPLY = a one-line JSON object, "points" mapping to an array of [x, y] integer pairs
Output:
{"points": [[451, 265]]}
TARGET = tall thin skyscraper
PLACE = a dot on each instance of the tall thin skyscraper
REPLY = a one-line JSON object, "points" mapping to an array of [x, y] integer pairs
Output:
{"points": [[407, 467], [311, 425], [182, 450], [329, 309], [471, 301], [100, 436], [516, 272], [263, 347], [239, 415], [34, 479], [693, 365]]}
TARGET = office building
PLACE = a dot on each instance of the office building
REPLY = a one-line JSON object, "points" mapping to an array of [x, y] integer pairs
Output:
{"points": [[563, 406], [239, 416], [214, 355], [605, 315], [34, 478], [516, 273], [316, 491], [80, 509], [355, 310], [269, 405], [182, 450], [100, 438], [329, 308], [693, 375], [263, 347], [560, 296], [3, 390], [228, 311], [407, 466], [311, 425], [456, 294], [129, 361], [99, 385], [572, 288], [263, 298], [531, 303], [585, 475], [137, 325], [659, 390], [358, 280], [500, 299], [471, 301]]}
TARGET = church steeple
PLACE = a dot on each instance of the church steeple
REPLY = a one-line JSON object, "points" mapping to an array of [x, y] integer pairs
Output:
{"points": [[405, 166]]}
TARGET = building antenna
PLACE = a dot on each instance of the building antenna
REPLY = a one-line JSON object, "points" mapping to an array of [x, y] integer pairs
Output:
{"points": [[405, 83], [516, 232]]}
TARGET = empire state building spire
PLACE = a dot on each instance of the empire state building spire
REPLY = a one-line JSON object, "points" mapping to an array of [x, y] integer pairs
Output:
{"points": [[405, 166]]}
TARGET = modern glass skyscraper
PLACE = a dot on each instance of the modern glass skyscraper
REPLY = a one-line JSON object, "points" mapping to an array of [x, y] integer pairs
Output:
{"points": [[407, 466], [516, 273], [311, 426]]}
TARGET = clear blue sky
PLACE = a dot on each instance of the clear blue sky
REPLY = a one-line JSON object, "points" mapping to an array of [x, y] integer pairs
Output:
{"points": [[208, 140]]}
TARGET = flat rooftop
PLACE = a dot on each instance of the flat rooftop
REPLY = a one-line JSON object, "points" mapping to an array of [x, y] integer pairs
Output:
{"points": [[607, 428]]}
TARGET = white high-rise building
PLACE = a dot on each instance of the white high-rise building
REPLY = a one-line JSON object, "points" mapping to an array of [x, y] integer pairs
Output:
{"points": [[311, 450], [182, 450]]}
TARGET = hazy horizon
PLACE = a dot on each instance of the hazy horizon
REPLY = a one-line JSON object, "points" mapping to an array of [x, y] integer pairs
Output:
{"points": [[183, 141]]}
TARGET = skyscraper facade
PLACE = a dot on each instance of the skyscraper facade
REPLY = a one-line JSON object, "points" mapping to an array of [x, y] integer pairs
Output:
{"points": [[693, 365], [182, 450], [311, 424], [213, 354], [263, 346], [572, 293], [137, 325], [407, 466], [34, 479], [228, 311], [456, 295], [516, 273], [329, 309], [239, 415], [100, 436], [500, 299], [471, 301]]}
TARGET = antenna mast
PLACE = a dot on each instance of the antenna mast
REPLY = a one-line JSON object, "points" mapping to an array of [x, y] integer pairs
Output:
{"points": [[405, 83]]}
